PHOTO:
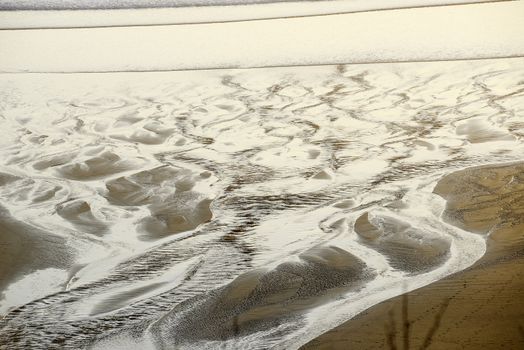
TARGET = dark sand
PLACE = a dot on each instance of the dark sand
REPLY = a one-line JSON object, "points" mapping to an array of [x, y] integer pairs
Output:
{"points": [[262, 299], [486, 301], [25, 249]]}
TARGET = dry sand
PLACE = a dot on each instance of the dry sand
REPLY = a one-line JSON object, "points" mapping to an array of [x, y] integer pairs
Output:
{"points": [[486, 304]]}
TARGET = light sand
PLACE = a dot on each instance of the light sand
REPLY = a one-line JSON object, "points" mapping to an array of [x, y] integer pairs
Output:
{"points": [[99, 14], [291, 158], [486, 304], [169, 193], [486, 30]]}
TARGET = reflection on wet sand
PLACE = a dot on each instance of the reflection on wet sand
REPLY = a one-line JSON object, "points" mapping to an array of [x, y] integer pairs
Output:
{"points": [[486, 307], [251, 208]]}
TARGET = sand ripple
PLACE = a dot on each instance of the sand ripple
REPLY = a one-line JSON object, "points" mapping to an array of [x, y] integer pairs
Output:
{"points": [[243, 208]]}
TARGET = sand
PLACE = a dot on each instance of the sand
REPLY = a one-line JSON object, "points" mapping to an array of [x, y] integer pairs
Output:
{"points": [[139, 13], [261, 300], [486, 308], [245, 208], [485, 30], [25, 249]]}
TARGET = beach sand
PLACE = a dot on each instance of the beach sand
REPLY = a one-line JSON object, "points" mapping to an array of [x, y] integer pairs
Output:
{"points": [[249, 209], [478, 308], [25, 249]]}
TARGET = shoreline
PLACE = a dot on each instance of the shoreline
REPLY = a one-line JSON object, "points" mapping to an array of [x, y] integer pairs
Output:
{"points": [[416, 34], [478, 307], [92, 17], [295, 156], [268, 67]]}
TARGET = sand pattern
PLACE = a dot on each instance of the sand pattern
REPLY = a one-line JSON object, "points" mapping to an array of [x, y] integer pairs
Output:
{"points": [[484, 308], [251, 208]]}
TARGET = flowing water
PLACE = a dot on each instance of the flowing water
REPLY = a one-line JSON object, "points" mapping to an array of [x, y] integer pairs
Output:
{"points": [[235, 208]]}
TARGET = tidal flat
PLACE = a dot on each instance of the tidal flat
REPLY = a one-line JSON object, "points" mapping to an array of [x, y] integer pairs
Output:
{"points": [[262, 208]]}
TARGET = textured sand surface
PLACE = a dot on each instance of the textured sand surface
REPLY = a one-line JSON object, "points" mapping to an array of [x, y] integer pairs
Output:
{"points": [[486, 304], [250, 208]]}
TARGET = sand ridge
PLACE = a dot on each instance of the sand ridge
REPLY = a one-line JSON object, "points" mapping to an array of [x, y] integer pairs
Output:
{"points": [[175, 188], [486, 307]]}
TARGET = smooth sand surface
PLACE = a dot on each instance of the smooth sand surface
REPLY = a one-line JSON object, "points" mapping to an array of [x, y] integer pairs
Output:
{"points": [[485, 30], [25, 249], [124, 13], [486, 304]]}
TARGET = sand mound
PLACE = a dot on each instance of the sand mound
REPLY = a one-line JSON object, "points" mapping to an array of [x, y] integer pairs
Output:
{"points": [[25, 249], [79, 213], [168, 193], [405, 247], [103, 164], [485, 301], [261, 299], [478, 130]]}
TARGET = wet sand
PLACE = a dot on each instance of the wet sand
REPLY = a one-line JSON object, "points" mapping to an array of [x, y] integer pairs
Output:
{"points": [[262, 300], [486, 304], [25, 249], [246, 208], [485, 30]]}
